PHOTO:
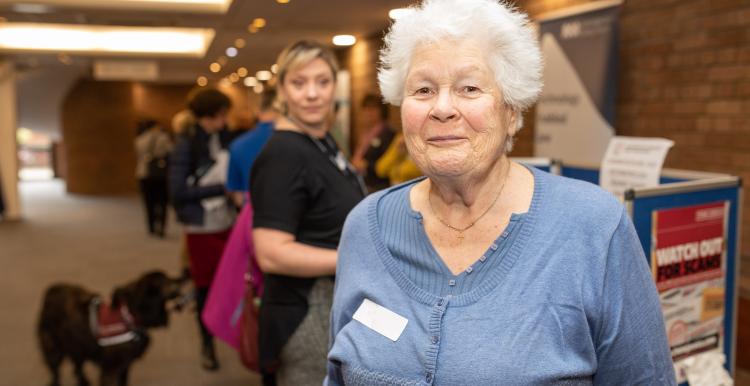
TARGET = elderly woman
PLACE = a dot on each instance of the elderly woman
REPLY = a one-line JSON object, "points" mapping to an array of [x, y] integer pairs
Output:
{"points": [[302, 189], [486, 272]]}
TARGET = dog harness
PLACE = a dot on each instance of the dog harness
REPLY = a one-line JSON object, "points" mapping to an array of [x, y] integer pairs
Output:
{"points": [[111, 326]]}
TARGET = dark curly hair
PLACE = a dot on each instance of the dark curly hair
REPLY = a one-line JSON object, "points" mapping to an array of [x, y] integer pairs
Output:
{"points": [[208, 103]]}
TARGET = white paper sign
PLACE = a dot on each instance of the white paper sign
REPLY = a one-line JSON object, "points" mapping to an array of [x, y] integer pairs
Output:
{"points": [[707, 370], [380, 319], [633, 162]]}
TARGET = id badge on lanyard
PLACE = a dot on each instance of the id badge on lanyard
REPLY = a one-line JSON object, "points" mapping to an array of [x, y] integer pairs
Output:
{"points": [[341, 164]]}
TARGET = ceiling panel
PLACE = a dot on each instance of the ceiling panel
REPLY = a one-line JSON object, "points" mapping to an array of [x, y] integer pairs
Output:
{"points": [[309, 19]]}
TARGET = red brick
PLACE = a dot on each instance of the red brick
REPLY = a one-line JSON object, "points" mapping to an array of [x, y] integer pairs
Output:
{"points": [[724, 108]]}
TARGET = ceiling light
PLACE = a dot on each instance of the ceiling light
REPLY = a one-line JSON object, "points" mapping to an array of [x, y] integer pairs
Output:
{"points": [[215, 67], [234, 78], [89, 39], [344, 40], [250, 81], [198, 6], [222, 60], [24, 135], [239, 43], [231, 52], [275, 68], [263, 75], [252, 29], [242, 71], [282, 1], [398, 13], [258, 88], [202, 81], [224, 82], [259, 22]]}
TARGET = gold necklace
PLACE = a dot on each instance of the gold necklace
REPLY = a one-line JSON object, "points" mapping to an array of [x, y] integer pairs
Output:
{"points": [[461, 231]]}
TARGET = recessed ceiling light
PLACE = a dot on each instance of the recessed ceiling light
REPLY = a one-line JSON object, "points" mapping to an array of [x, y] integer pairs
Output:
{"points": [[224, 82], [252, 29], [197, 6], [215, 67], [344, 40], [239, 43], [242, 71], [233, 77], [398, 13], [275, 68], [263, 75], [250, 81], [231, 52], [202, 81], [91, 39], [282, 1], [259, 22]]}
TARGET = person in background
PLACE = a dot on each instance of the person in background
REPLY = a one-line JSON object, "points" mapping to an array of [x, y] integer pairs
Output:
{"points": [[302, 189], [396, 164], [486, 272], [196, 179], [373, 142], [181, 122], [152, 147], [244, 149]]}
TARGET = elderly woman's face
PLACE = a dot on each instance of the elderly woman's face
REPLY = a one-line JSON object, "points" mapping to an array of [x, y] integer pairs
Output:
{"points": [[453, 114]]}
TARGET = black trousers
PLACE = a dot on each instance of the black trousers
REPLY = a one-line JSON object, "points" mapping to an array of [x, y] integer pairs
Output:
{"points": [[201, 295], [154, 194]]}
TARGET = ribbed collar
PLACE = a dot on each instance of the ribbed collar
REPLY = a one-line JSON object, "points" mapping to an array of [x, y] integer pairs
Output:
{"points": [[491, 280]]}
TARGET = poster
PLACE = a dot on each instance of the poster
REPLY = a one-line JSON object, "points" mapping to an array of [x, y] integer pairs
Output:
{"points": [[688, 262], [575, 113]]}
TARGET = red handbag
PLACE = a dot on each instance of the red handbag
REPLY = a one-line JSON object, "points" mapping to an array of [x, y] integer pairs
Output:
{"points": [[249, 351]]}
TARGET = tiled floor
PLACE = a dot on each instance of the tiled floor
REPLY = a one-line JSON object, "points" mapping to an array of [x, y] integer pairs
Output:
{"points": [[98, 243]]}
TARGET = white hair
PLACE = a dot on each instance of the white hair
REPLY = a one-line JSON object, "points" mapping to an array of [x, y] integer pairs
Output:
{"points": [[513, 51]]}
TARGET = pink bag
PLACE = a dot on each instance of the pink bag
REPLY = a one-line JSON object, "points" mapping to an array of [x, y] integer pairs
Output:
{"points": [[222, 313]]}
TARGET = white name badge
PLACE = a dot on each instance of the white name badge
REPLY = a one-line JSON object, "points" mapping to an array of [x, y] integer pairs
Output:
{"points": [[380, 319]]}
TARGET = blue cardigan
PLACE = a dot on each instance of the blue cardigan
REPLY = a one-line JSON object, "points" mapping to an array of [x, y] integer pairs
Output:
{"points": [[571, 303]]}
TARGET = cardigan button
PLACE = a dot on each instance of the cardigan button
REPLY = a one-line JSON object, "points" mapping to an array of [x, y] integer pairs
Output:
{"points": [[440, 302], [428, 377], [434, 339]]}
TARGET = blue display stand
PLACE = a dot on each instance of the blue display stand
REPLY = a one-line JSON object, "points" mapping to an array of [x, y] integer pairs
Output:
{"points": [[683, 189]]}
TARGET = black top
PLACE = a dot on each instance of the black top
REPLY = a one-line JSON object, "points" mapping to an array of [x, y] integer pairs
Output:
{"points": [[297, 187]]}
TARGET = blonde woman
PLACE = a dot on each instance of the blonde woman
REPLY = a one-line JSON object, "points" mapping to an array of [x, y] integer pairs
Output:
{"points": [[302, 188]]}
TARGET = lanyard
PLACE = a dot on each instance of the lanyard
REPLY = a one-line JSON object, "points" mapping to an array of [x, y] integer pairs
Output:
{"points": [[339, 161]]}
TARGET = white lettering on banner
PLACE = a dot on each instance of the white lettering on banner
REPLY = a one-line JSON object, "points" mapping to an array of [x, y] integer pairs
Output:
{"points": [[689, 251]]}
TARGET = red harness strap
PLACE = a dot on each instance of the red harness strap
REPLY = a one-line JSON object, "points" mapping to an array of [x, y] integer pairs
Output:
{"points": [[111, 326]]}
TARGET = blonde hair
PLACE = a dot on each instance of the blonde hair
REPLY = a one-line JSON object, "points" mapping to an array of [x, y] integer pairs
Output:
{"points": [[297, 55]]}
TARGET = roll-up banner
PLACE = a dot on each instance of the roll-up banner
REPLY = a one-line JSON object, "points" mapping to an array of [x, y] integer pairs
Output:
{"points": [[576, 111]]}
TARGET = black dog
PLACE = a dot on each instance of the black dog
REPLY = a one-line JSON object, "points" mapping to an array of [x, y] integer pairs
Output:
{"points": [[73, 324]]}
